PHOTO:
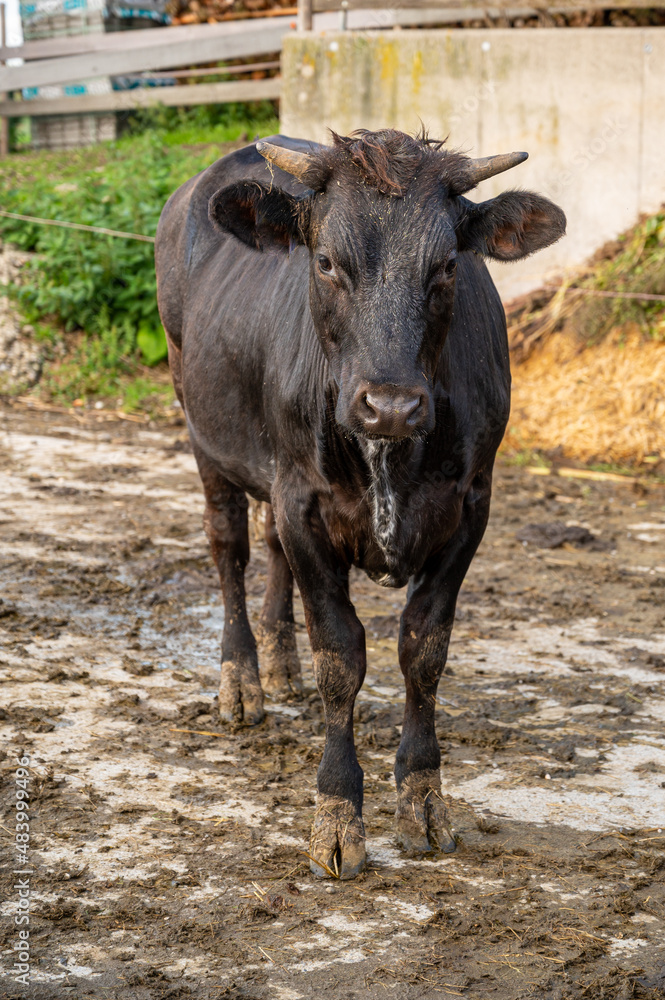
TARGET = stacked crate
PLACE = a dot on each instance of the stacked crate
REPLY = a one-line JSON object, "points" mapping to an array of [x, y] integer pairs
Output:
{"points": [[58, 18]]}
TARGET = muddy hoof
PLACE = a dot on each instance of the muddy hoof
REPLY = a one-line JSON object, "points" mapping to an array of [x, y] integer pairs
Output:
{"points": [[280, 666], [240, 694], [422, 821], [337, 845]]}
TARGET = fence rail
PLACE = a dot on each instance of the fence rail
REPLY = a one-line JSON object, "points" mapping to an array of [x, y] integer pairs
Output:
{"points": [[119, 41], [165, 48], [470, 12], [460, 10], [128, 100]]}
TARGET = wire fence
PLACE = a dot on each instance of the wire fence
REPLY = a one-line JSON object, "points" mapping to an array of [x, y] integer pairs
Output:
{"points": [[77, 225], [570, 290]]}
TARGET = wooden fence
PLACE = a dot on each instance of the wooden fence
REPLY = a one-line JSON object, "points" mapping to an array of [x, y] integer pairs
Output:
{"points": [[58, 61], [61, 61], [81, 57], [460, 10], [127, 100]]}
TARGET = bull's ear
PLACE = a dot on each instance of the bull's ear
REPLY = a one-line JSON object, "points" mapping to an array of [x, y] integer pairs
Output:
{"points": [[510, 226], [263, 218]]}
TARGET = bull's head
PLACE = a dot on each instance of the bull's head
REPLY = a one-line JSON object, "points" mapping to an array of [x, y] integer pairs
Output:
{"points": [[384, 218]]}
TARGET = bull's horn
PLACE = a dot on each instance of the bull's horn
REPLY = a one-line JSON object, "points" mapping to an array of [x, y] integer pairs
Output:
{"points": [[288, 160], [487, 166]]}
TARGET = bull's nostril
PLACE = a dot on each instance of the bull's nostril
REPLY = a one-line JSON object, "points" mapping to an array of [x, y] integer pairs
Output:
{"points": [[370, 411], [391, 415], [412, 406]]}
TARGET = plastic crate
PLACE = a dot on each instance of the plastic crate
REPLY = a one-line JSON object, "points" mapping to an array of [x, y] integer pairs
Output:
{"points": [[59, 18], [72, 131]]}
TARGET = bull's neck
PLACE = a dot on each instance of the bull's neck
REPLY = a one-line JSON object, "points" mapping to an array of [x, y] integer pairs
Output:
{"points": [[388, 464]]}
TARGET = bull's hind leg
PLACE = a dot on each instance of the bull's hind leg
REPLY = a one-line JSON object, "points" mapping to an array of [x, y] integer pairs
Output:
{"points": [[427, 621], [276, 634], [225, 521]]}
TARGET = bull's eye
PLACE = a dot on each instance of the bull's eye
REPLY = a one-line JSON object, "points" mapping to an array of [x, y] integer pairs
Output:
{"points": [[325, 265], [442, 275], [450, 266]]}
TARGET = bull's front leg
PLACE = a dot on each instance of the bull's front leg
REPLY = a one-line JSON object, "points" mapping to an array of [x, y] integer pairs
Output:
{"points": [[337, 638], [427, 621]]}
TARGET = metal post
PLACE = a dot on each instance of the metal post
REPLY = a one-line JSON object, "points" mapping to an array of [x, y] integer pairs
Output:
{"points": [[4, 122], [304, 15]]}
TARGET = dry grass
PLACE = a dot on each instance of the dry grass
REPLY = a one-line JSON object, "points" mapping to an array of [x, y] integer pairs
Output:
{"points": [[603, 402], [589, 357]]}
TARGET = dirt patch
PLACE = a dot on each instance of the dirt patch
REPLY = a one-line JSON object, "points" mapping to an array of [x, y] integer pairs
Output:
{"points": [[167, 847]]}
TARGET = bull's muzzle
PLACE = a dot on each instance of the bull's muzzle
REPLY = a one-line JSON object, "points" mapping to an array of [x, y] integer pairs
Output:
{"points": [[388, 411]]}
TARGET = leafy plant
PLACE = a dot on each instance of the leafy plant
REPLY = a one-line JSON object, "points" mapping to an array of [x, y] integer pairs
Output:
{"points": [[152, 344], [95, 366], [206, 122], [99, 284], [635, 265]]}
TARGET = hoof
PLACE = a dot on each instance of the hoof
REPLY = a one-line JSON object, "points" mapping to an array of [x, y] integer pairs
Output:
{"points": [[240, 694], [421, 817], [337, 845], [280, 666]]}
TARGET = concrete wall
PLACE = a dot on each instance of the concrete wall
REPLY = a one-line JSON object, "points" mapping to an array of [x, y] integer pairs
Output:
{"points": [[588, 105]]}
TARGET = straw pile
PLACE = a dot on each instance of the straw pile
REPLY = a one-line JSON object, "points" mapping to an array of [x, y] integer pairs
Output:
{"points": [[588, 370], [604, 403]]}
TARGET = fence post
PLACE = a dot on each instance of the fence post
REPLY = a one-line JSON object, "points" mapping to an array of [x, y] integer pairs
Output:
{"points": [[304, 15], [4, 122]]}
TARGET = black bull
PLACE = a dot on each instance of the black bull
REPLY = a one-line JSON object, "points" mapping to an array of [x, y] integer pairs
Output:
{"points": [[340, 352]]}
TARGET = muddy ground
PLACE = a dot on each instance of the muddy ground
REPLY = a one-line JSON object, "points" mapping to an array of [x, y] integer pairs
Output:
{"points": [[167, 847]]}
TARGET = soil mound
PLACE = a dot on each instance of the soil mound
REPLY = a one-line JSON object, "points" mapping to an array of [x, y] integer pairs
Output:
{"points": [[20, 358]]}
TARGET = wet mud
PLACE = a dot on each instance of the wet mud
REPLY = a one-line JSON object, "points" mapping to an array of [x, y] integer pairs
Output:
{"points": [[168, 847]]}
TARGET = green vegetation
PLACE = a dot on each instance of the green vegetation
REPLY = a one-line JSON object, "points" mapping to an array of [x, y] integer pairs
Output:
{"points": [[206, 123], [101, 285], [103, 366], [634, 264], [528, 457]]}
